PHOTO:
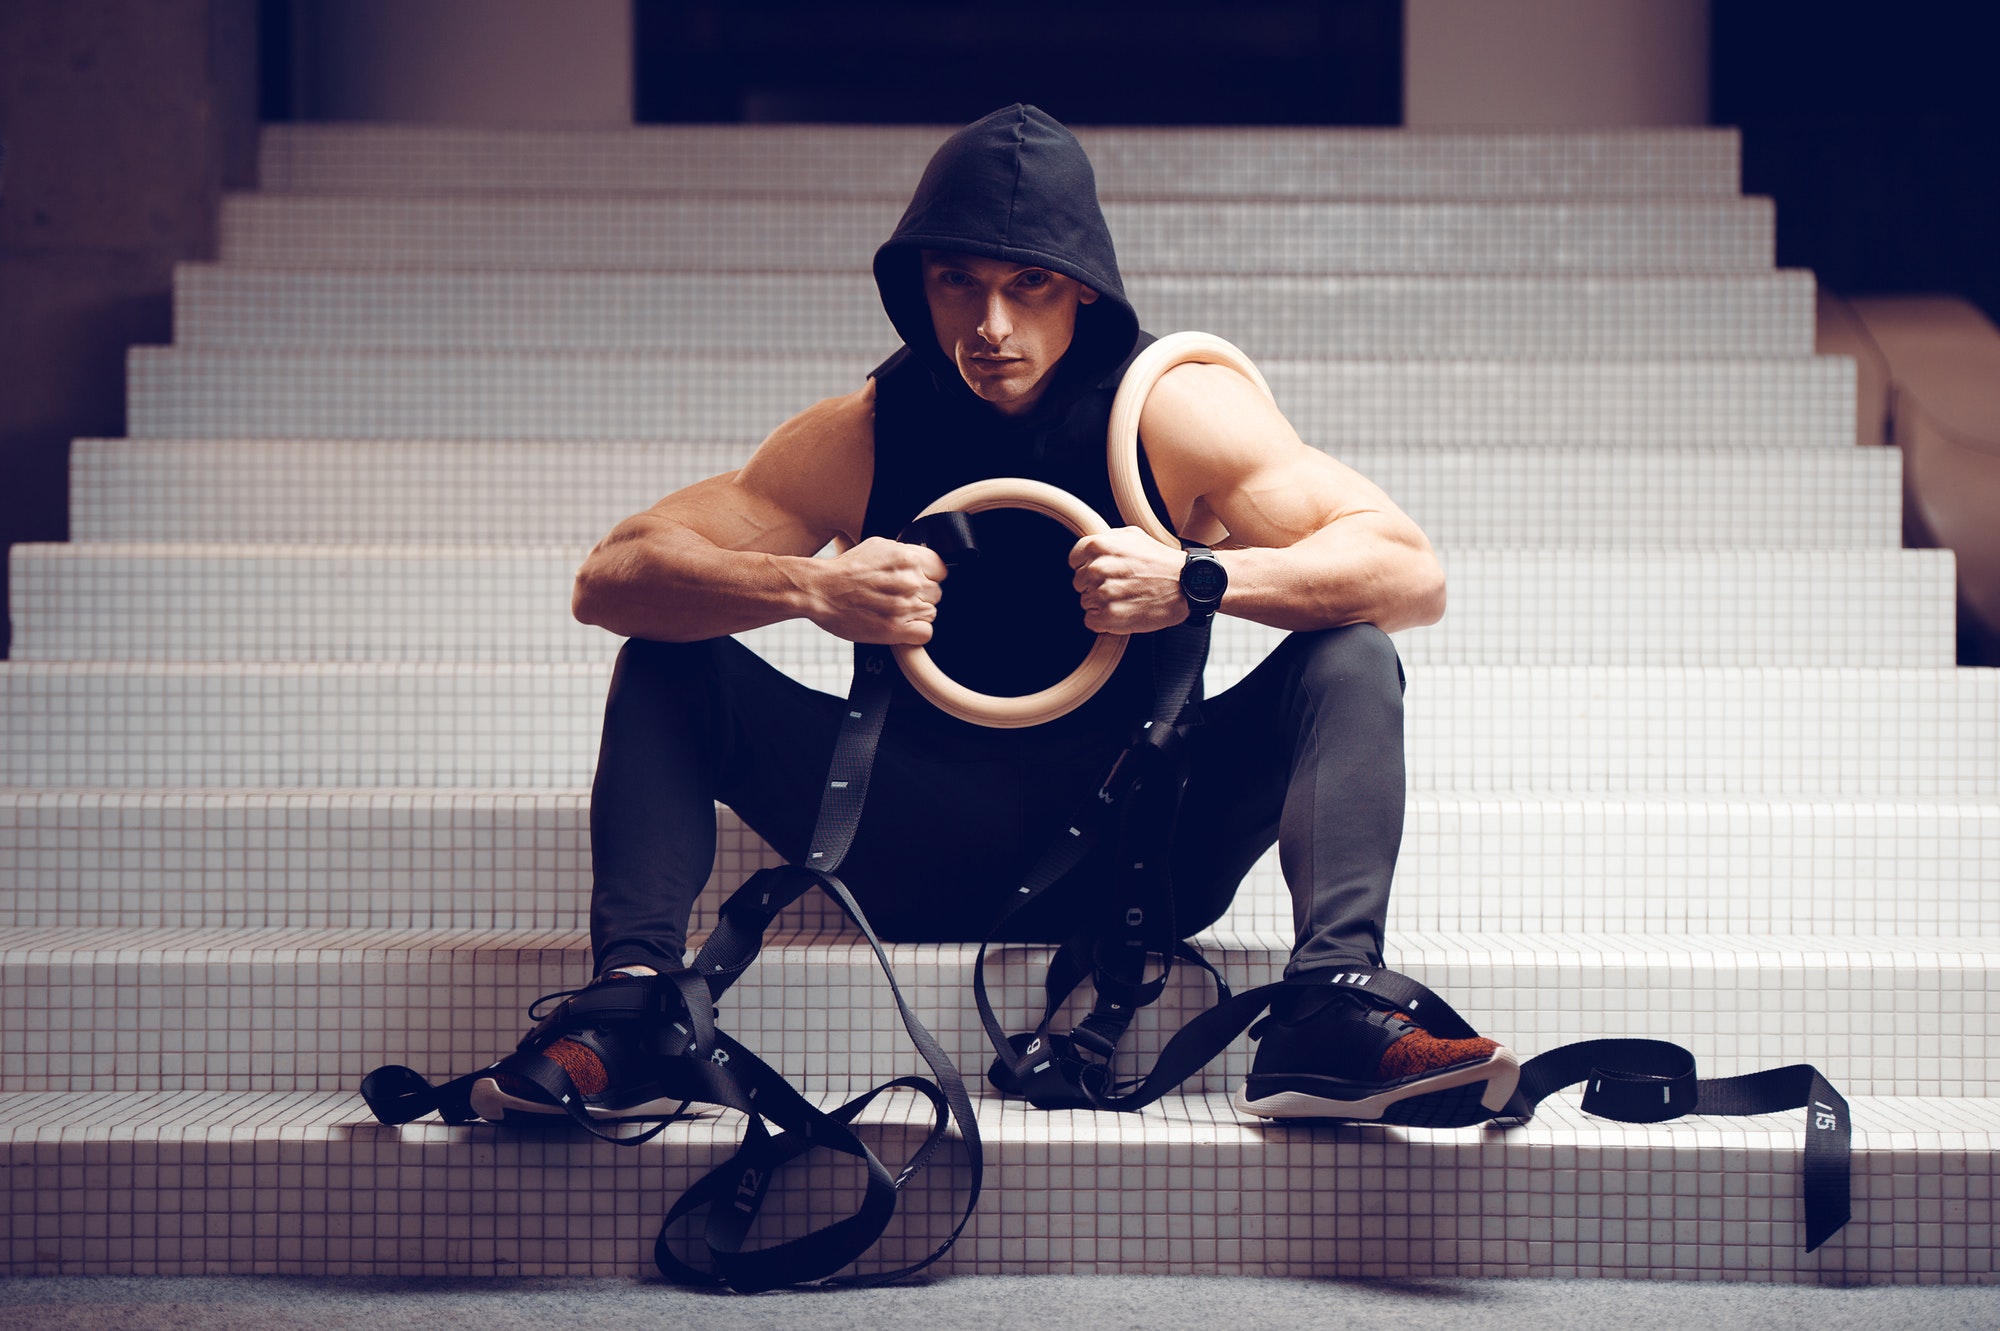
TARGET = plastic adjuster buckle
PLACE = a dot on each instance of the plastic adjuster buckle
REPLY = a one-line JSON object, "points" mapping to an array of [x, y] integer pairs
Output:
{"points": [[1087, 1039], [1150, 746]]}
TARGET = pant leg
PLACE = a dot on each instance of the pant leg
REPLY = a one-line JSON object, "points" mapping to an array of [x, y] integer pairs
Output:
{"points": [[685, 725], [1306, 751], [952, 820]]}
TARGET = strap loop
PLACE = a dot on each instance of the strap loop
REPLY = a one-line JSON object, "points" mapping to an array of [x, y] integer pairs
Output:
{"points": [[1154, 747], [735, 1191]]}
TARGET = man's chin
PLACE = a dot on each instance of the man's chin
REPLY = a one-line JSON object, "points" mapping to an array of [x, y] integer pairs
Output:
{"points": [[1005, 393]]}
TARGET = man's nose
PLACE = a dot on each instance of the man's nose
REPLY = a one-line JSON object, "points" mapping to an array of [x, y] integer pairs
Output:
{"points": [[995, 326]]}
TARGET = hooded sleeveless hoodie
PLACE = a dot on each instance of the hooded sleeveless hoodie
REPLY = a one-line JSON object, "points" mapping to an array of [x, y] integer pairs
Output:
{"points": [[1017, 187]]}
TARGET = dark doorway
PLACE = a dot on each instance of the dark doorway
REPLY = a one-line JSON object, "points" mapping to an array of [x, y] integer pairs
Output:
{"points": [[1088, 62], [1875, 128]]}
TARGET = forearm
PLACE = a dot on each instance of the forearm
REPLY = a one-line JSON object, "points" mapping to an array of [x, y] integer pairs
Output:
{"points": [[675, 586], [1353, 572], [1368, 568]]}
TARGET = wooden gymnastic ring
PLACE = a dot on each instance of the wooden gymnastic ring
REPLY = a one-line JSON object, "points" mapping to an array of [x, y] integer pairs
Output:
{"points": [[1032, 709], [1122, 438]]}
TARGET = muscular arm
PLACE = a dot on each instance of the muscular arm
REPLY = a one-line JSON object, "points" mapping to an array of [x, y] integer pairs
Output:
{"points": [[1323, 545], [735, 552]]}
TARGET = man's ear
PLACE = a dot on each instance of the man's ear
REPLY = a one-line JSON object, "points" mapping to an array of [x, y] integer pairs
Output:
{"points": [[1086, 296]]}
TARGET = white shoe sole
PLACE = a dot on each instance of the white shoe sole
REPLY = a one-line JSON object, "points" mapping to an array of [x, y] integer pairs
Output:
{"points": [[1501, 1072], [493, 1104]]}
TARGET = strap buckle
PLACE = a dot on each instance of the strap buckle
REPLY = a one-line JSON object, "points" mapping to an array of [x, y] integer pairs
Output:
{"points": [[1086, 1038], [1152, 745]]}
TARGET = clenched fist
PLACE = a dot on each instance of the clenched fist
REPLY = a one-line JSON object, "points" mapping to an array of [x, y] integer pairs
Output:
{"points": [[1128, 582], [881, 591]]}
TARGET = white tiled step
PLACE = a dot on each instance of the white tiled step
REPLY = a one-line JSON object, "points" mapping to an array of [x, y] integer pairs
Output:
{"points": [[404, 858], [723, 231], [442, 492], [218, 305], [172, 1183], [1671, 864], [98, 1010], [886, 160], [122, 602], [176, 393], [336, 858], [1548, 729]]}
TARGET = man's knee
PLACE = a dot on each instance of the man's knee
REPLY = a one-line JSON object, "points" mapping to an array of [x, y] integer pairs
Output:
{"points": [[654, 679], [1353, 656], [644, 659], [647, 654]]}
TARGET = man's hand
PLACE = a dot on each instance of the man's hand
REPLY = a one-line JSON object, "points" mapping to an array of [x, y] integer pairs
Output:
{"points": [[880, 591], [1128, 582]]}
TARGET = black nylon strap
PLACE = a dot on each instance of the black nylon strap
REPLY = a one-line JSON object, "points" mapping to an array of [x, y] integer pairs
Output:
{"points": [[1631, 1081], [1180, 654], [853, 759], [1142, 789], [949, 534], [735, 1191], [738, 935], [1651, 1081], [949, 1084], [715, 1069], [1053, 1072], [398, 1095], [1069, 850]]}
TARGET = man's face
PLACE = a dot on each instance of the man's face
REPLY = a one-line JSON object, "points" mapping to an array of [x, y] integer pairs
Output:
{"points": [[1004, 325]]}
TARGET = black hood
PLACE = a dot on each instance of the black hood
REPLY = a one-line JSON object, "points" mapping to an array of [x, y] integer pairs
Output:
{"points": [[1014, 186]]}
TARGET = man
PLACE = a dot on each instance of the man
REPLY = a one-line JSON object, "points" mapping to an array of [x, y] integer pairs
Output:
{"points": [[1002, 281]]}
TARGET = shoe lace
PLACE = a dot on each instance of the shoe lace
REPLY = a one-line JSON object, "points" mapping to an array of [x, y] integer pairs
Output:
{"points": [[660, 1123], [534, 1009]]}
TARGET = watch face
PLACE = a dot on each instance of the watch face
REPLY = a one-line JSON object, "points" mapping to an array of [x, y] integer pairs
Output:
{"points": [[1204, 580]]}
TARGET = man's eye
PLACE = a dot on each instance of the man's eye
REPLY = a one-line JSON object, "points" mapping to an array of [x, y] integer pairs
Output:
{"points": [[1032, 280], [954, 279]]}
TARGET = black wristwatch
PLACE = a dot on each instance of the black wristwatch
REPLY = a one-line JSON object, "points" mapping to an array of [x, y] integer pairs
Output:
{"points": [[1203, 581]]}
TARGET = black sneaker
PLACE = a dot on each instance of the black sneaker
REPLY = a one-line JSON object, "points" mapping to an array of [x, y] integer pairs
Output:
{"points": [[616, 1068], [1327, 1053]]}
